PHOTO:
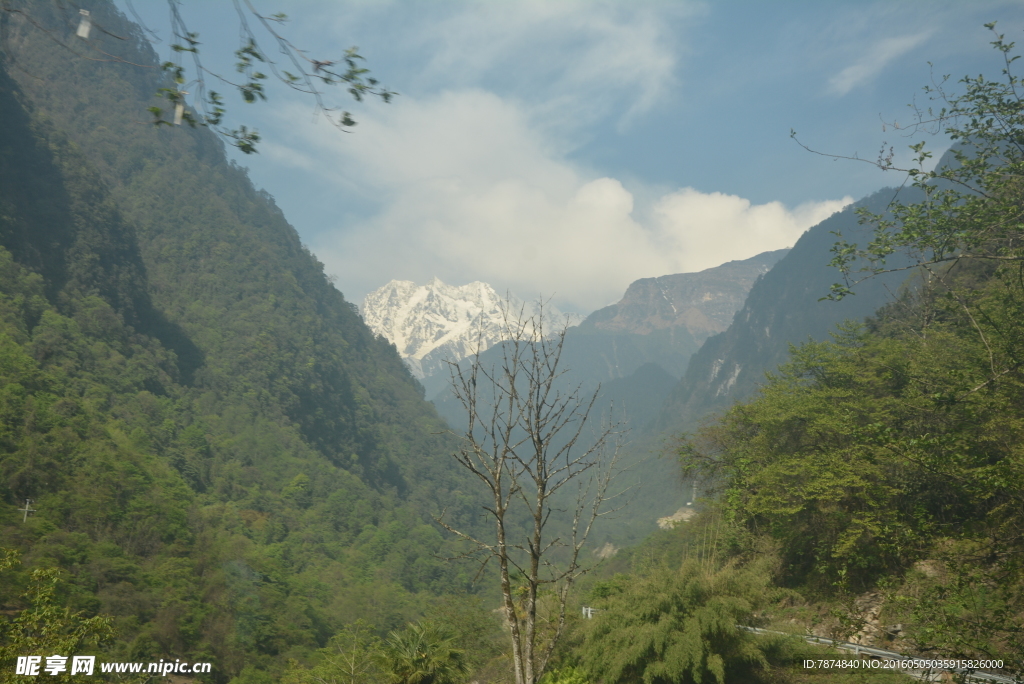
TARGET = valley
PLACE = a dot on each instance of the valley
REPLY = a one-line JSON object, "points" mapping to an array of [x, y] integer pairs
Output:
{"points": [[210, 454]]}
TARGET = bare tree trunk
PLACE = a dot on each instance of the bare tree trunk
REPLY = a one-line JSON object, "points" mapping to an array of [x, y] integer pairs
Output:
{"points": [[521, 443]]}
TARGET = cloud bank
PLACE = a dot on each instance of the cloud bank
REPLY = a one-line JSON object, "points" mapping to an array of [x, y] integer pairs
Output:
{"points": [[479, 169], [475, 192]]}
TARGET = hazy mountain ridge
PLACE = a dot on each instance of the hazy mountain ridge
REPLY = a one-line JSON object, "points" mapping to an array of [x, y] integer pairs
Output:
{"points": [[702, 302], [634, 351], [663, 320]]}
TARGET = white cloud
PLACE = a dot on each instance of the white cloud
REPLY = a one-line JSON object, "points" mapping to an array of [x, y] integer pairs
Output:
{"points": [[703, 230], [469, 185], [475, 193], [873, 61], [569, 61], [471, 137]]}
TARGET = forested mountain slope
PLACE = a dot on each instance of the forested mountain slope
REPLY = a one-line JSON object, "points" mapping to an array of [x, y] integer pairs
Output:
{"points": [[875, 477], [222, 455], [783, 308]]}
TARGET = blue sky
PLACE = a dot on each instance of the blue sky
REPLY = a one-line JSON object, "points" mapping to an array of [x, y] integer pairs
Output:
{"points": [[567, 148]]}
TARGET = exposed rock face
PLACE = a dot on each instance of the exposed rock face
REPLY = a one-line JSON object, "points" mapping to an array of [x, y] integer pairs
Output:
{"points": [[682, 515], [663, 320], [868, 608], [702, 303], [434, 322]]}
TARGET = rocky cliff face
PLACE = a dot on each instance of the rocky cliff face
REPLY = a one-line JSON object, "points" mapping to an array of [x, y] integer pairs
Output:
{"points": [[664, 320], [432, 323], [702, 302]]}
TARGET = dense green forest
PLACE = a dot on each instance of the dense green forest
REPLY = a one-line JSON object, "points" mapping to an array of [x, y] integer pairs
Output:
{"points": [[887, 464], [225, 465], [221, 456]]}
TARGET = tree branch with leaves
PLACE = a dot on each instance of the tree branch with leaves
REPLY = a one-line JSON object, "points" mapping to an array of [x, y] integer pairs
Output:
{"points": [[973, 207], [187, 98]]}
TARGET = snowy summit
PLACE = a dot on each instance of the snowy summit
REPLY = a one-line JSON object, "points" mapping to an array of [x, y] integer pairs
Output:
{"points": [[434, 322]]}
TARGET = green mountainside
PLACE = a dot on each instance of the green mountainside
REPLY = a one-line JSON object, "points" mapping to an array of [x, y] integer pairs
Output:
{"points": [[783, 308], [865, 485], [221, 455]]}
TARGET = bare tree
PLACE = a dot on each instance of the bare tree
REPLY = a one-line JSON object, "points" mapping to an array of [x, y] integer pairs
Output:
{"points": [[525, 442]]}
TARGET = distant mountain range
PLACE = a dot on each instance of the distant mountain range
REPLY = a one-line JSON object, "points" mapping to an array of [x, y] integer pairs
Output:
{"points": [[634, 352], [674, 349], [434, 323], [783, 307], [681, 347]]}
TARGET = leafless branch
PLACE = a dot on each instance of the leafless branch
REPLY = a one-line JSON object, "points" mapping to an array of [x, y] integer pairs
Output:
{"points": [[524, 442]]}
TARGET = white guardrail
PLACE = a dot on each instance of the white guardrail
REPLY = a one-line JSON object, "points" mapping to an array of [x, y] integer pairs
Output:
{"points": [[858, 649]]}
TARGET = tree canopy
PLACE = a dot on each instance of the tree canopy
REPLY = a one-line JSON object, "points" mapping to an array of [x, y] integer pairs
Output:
{"points": [[891, 456]]}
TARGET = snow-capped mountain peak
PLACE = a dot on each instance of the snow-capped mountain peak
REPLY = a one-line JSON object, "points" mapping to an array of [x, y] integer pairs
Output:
{"points": [[433, 322]]}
